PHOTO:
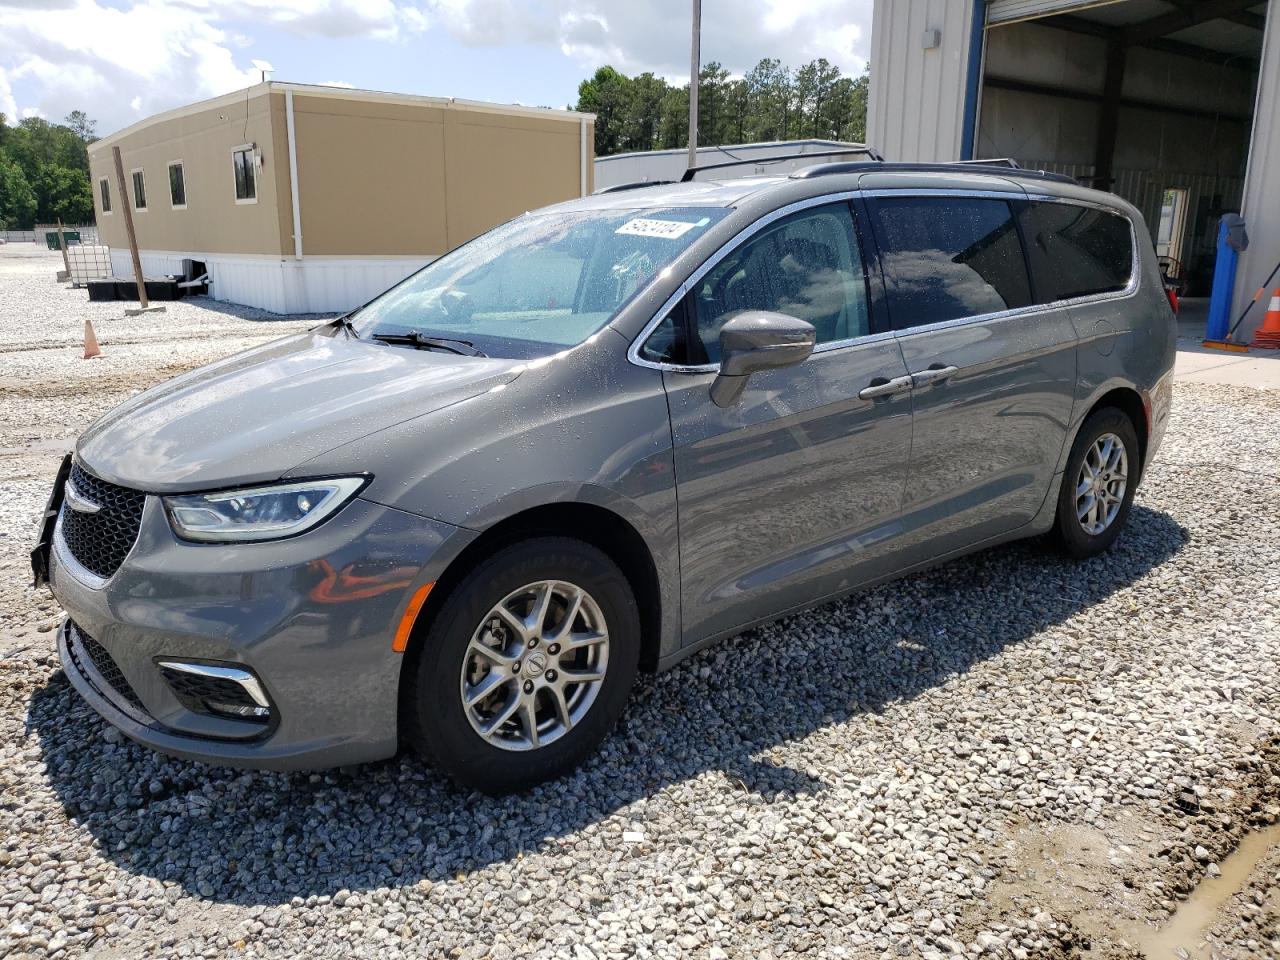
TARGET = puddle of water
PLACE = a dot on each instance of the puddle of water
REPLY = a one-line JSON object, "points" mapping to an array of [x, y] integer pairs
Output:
{"points": [[1182, 936]]}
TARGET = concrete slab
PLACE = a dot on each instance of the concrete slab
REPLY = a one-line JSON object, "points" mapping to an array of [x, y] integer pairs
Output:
{"points": [[1193, 317], [1259, 369]]}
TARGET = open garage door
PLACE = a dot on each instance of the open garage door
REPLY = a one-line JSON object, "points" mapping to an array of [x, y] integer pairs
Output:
{"points": [[1011, 11], [1153, 100]]}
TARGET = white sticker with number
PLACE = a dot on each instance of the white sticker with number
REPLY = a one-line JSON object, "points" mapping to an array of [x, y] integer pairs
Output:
{"points": [[670, 229]]}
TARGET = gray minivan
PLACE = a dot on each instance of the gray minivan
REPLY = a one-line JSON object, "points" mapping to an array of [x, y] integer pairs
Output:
{"points": [[594, 440]]}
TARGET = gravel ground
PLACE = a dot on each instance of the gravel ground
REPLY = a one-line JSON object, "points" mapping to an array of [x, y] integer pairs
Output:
{"points": [[1008, 756]]}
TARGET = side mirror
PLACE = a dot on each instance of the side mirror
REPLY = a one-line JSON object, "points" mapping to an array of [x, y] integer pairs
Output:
{"points": [[754, 341]]}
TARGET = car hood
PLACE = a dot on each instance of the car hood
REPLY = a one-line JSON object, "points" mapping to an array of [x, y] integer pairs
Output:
{"points": [[253, 416]]}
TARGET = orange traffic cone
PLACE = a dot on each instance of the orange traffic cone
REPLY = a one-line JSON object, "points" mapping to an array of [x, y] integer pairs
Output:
{"points": [[1268, 335], [90, 342]]}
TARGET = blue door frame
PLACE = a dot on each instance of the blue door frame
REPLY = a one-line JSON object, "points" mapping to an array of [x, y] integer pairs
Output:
{"points": [[973, 81]]}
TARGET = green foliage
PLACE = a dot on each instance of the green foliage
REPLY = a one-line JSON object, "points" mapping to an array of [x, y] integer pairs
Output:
{"points": [[17, 199], [44, 171], [772, 102], [63, 194], [82, 126]]}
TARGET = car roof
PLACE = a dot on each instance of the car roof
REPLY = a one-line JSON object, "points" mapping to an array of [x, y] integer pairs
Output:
{"points": [[841, 178], [696, 193]]}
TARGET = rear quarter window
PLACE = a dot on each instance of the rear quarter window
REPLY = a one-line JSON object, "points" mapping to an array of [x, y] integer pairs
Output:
{"points": [[945, 258], [1076, 251]]}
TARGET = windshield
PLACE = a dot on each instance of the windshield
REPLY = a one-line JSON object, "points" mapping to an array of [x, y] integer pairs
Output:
{"points": [[540, 283]]}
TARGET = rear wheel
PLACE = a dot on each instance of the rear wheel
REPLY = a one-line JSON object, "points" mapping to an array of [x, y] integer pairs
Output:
{"points": [[1099, 483], [526, 667]]}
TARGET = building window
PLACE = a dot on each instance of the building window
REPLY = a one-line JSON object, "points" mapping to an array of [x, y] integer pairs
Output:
{"points": [[177, 186], [104, 189], [245, 172], [139, 191]]}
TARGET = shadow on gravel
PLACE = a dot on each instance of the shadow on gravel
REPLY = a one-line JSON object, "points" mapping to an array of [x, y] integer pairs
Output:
{"points": [[264, 838]]}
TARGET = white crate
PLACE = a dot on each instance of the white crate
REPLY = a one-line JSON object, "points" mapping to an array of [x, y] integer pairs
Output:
{"points": [[88, 263]]}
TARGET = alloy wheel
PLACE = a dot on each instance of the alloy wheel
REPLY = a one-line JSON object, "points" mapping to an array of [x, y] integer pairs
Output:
{"points": [[535, 665], [1101, 484]]}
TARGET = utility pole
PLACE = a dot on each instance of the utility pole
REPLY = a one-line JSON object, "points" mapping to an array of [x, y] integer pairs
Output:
{"points": [[62, 242], [695, 68], [128, 226]]}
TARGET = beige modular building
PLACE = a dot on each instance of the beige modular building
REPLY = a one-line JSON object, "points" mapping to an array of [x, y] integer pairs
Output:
{"points": [[302, 198]]}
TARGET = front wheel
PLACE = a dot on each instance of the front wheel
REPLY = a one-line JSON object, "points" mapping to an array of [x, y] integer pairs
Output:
{"points": [[1099, 483], [526, 667]]}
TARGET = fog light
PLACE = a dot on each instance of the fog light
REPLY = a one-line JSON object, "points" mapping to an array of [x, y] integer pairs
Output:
{"points": [[239, 709], [217, 690]]}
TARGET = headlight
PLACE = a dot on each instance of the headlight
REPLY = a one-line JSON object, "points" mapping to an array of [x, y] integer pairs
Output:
{"points": [[260, 513]]}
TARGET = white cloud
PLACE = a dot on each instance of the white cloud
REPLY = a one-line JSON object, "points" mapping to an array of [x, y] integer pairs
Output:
{"points": [[653, 35], [8, 106], [119, 59], [116, 61]]}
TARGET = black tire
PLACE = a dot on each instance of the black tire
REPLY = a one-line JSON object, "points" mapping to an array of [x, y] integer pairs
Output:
{"points": [[436, 722], [1069, 531]]}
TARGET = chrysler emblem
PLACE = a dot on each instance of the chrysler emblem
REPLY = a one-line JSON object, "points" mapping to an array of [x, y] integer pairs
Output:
{"points": [[78, 501]]}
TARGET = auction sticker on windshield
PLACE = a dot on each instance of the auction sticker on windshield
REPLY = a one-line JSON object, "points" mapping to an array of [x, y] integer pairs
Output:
{"points": [[670, 229]]}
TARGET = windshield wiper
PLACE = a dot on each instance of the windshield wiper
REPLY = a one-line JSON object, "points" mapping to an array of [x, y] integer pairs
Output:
{"points": [[463, 348]]}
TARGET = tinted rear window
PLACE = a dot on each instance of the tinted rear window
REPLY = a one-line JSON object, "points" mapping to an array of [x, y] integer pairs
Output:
{"points": [[1076, 251], [949, 257]]}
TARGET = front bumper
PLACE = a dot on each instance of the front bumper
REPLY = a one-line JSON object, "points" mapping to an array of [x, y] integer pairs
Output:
{"points": [[312, 617]]}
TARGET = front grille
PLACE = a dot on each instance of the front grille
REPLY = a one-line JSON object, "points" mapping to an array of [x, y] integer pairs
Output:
{"points": [[80, 643], [100, 541], [214, 696]]}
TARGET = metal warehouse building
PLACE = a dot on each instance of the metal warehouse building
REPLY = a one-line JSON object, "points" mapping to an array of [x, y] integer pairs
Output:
{"points": [[302, 198], [1172, 104]]}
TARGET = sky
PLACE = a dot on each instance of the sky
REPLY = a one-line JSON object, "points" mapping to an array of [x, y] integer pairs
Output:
{"points": [[122, 60]]}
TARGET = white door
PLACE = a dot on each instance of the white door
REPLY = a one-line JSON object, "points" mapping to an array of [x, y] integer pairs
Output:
{"points": [[1007, 11]]}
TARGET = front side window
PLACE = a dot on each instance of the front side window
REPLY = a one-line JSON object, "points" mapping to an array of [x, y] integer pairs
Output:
{"points": [[539, 283], [945, 258], [177, 186], [1076, 251], [104, 188], [245, 174], [807, 265], [139, 191]]}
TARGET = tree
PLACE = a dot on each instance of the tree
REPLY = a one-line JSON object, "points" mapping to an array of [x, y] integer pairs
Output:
{"points": [[770, 103], [606, 95], [65, 194], [814, 84], [673, 129], [737, 111], [17, 199], [46, 171], [769, 85], [644, 112], [845, 112], [82, 126]]}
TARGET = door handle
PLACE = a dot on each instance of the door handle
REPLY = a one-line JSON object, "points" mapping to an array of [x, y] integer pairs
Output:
{"points": [[882, 387], [935, 374]]}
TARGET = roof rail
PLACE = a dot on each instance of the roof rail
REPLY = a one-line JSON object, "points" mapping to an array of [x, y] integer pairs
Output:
{"points": [[633, 185], [1000, 168], [1002, 162], [777, 157]]}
